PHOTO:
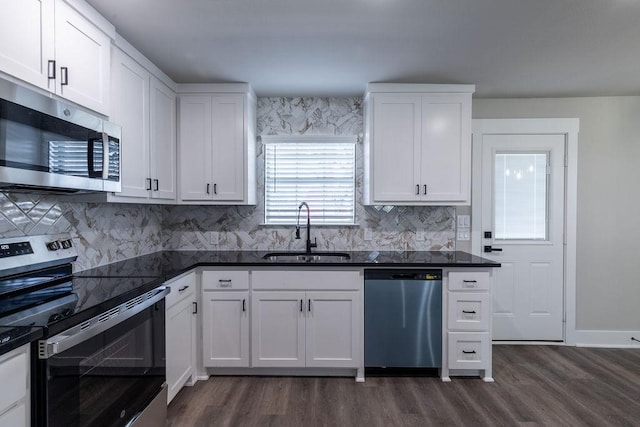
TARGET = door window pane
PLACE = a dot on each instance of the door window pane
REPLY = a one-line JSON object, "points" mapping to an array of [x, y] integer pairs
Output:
{"points": [[520, 196]]}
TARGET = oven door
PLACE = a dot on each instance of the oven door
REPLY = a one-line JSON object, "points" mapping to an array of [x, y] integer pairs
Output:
{"points": [[106, 377]]}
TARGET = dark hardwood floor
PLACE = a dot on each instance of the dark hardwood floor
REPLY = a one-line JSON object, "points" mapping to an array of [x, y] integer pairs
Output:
{"points": [[535, 385]]}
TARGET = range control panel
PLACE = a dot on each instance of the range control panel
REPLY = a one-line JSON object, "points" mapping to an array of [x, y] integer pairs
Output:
{"points": [[14, 249], [18, 254]]}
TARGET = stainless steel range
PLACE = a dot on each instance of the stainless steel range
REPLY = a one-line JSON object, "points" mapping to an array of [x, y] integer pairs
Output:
{"points": [[101, 358]]}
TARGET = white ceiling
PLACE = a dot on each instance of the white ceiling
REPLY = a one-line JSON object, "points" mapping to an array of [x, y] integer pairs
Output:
{"points": [[507, 48]]}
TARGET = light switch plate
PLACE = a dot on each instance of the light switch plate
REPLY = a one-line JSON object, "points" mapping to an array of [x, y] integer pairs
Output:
{"points": [[368, 234], [464, 221], [419, 235]]}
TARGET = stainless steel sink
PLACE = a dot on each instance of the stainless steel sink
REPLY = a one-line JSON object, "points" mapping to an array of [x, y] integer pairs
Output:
{"points": [[301, 256]]}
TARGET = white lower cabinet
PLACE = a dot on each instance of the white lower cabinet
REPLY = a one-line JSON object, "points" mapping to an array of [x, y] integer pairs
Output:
{"points": [[306, 329], [225, 319], [14, 393], [307, 326], [467, 325], [181, 311]]}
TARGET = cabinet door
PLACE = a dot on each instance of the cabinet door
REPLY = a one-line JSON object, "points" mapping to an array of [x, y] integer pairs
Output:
{"points": [[225, 328], [163, 141], [396, 144], [84, 51], [26, 39], [228, 147], [130, 95], [15, 417], [446, 148], [194, 146], [332, 329], [278, 329], [180, 338], [15, 380]]}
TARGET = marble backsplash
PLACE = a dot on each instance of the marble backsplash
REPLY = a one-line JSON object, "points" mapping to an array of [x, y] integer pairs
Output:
{"points": [[106, 233], [241, 227], [102, 233]]}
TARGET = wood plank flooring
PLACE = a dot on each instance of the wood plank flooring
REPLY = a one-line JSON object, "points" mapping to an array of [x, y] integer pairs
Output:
{"points": [[535, 385]]}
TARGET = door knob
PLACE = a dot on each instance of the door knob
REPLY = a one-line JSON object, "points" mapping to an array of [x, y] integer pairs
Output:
{"points": [[488, 248]]}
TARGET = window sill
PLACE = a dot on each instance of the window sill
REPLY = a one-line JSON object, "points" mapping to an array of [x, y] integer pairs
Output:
{"points": [[312, 225]]}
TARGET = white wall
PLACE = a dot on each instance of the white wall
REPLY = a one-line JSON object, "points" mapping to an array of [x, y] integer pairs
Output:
{"points": [[608, 229]]}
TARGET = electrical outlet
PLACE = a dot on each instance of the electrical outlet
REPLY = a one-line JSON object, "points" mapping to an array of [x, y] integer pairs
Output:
{"points": [[463, 234], [368, 234], [213, 237]]}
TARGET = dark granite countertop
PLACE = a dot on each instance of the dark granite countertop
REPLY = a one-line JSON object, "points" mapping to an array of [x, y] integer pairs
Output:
{"points": [[168, 264], [102, 288]]}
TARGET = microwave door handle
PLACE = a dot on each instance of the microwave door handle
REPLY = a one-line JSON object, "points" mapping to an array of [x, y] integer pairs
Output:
{"points": [[91, 170], [105, 155]]}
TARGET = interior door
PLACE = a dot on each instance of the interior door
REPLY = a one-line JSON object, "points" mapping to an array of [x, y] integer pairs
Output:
{"points": [[523, 188]]}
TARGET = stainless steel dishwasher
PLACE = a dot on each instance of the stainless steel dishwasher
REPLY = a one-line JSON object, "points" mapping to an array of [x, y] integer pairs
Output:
{"points": [[403, 318]]}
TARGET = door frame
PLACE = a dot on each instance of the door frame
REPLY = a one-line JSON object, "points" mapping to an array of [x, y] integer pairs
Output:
{"points": [[570, 128]]}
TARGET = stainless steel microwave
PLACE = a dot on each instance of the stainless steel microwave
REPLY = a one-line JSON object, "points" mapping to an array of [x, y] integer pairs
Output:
{"points": [[48, 145]]}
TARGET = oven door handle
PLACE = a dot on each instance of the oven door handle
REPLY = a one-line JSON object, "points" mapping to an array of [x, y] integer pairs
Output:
{"points": [[100, 323]]}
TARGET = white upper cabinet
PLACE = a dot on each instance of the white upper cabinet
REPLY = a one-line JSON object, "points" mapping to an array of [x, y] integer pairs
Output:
{"points": [[26, 41], [49, 44], [216, 144], [162, 152], [417, 144], [130, 97], [146, 109]]}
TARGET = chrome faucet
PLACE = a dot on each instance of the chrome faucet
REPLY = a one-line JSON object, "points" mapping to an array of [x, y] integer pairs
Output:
{"points": [[315, 241]]}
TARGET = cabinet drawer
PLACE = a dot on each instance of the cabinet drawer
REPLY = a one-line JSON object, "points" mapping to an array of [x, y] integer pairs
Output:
{"points": [[181, 288], [225, 280], [14, 373], [302, 279], [469, 311], [468, 350], [469, 281]]}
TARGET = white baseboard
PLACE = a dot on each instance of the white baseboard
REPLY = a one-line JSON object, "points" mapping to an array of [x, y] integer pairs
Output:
{"points": [[608, 339]]}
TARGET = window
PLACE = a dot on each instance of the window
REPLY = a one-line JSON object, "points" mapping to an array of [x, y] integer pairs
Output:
{"points": [[520, 196], [312, 169]]}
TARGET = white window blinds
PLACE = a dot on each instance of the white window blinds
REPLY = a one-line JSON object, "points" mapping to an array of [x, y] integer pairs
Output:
{"points": [[316, 170]]}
